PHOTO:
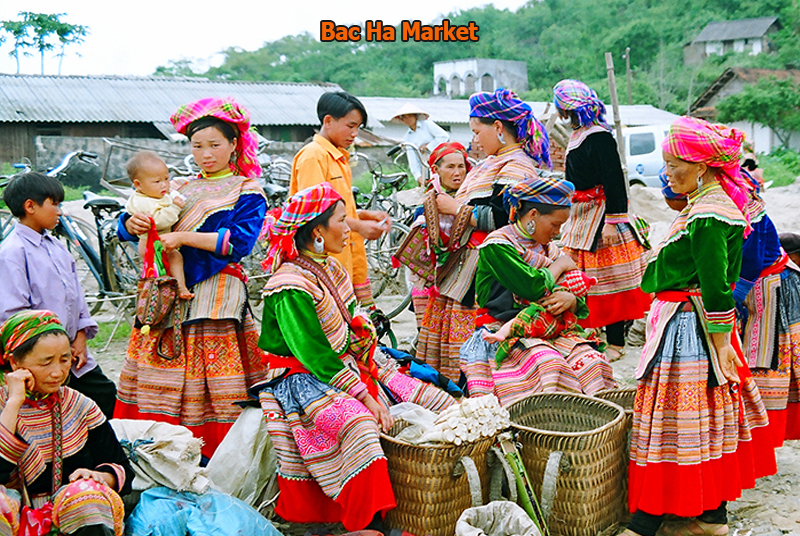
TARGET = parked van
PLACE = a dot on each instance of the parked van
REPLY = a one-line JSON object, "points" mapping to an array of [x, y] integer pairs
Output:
{"points": [[643, 153]]}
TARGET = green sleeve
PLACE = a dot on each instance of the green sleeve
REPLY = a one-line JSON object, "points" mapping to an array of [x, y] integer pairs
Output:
{"points": [[502, 263], [716, 259], [290, 327]]}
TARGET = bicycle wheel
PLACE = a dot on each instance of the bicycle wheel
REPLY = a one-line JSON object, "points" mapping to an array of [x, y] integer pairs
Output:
{"points": [[122, 265], [382, 275]]}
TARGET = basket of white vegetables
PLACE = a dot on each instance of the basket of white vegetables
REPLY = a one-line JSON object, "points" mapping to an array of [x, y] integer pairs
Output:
{"points": [[438, 463]]}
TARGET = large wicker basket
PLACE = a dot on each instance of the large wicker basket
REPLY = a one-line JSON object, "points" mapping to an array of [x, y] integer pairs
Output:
{"points": [[573, 446], [624, 398], [430, 484]]}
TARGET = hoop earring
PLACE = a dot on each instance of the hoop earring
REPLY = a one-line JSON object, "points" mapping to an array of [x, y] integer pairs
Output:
{"points": [[501, 138], [530, 227], [319, 245]]}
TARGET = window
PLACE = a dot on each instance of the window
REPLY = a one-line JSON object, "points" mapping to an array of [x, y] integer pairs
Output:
{"points": [[642, 143]]}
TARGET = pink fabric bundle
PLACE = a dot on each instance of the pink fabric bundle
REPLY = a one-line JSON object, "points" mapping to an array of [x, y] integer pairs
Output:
{"points": [[227, 110]]}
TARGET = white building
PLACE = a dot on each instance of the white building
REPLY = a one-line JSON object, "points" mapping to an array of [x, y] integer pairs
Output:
{"points": [[750, 36], [465, 77]]}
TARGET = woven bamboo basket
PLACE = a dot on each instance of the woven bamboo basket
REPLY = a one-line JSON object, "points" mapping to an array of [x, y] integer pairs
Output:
{"points": [[573, 446], [624, 398], [430, 484]]}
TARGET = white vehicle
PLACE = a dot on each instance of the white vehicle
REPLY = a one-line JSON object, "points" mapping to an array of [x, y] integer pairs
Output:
{"points": [[643, 153]]}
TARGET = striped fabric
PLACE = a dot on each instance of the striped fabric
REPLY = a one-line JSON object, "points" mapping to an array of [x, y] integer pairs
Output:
{"points": [[229, 111], [549, 190], [205, 197], [691, 446], [446, 326], [220, 297], [585, 219], [509, 166], [407, 389], [78, 415], [760, 330], [718, 146], [574, 95], [504, 105]]}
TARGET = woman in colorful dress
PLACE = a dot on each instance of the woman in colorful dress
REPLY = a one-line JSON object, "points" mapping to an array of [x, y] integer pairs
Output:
{"points": [[700, 430], [325, 405], [523, 277], [515, 141], [219, 358], [601, 234], [57, 450]]}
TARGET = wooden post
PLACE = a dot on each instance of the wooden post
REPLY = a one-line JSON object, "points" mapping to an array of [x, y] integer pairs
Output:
{"points": [[612, 88], [628, 75]]}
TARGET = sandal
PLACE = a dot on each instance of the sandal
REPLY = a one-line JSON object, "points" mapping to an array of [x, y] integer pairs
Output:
{"points": [[696, 527], [614, 352]]}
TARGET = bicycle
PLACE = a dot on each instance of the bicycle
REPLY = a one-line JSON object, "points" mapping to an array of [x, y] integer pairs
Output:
{"points": [[113, 264]]}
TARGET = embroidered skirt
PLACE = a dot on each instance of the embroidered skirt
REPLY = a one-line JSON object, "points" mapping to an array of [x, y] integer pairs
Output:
{"points": [[445, 327], [560, 365], [197, 389], [780, 388], [693, 445], [618, 266]]}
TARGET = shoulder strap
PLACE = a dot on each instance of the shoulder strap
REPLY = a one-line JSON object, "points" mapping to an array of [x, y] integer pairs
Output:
{"points": [[304, 262]]}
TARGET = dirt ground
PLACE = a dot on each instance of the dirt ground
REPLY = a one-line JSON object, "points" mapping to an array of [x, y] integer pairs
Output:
{"points": [[772, 508]]}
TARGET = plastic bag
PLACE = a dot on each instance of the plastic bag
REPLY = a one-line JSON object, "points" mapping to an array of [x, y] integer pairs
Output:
{"points": [[498, 518], [245, 464]]}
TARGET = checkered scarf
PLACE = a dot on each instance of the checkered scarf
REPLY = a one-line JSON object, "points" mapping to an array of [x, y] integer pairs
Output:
{"points": [[281, 224], [23, 326], [545, 190], [504, 105], [446, 148], [575, 96], [718, 146], [245, 163]]}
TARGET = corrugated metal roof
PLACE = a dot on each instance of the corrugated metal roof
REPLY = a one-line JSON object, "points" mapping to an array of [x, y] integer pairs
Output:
{"points": [[456, 111], [735, 29], [68, 99]]}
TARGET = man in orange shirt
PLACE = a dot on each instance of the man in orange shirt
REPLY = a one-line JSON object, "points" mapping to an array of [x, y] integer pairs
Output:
{"points": [[326, 159]]}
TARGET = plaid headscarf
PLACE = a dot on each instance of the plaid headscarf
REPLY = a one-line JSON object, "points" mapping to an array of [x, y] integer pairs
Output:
{"points": [[700, 142], [229, 111], [504, 105], [23, 326], [545, 190], [281, 224], [575, 96], [446, 148]]}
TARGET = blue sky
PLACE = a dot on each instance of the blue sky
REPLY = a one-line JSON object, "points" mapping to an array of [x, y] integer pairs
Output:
{"points": [[133, 38]]}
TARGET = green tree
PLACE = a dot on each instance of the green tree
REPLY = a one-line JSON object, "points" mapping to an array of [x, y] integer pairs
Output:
{"points": [[19, 31], [38, 30], [771, 102], [69, 34]]}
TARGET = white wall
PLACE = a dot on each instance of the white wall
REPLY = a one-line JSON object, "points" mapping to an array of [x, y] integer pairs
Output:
{"points": [[763, 139]]}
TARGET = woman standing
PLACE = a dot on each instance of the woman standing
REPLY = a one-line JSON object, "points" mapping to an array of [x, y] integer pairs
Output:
{"points": [[524, 278], [56, 446], [515, 141], [423, 133], [219, 358], [601, 235], [700, 431], [324, 409]]}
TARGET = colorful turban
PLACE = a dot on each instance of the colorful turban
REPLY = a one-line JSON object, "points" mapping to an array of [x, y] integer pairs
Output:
{"points": [[575, 96], [23, 326], [281, 224], [446, 148], [504, 105], [665, 189], [545, 190], [229, 111], [700, 142]]}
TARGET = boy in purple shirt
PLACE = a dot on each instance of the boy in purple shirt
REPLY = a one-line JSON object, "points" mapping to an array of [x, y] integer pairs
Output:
{"points": [[39, 273]]}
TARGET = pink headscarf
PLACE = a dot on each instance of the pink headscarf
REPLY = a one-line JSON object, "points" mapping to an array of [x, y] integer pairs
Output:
{"points": [[698, 141], [229, 111]]}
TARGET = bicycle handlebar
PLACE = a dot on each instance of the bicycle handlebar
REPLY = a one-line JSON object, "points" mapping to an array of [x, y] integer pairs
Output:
{"points": [[67, 161]]}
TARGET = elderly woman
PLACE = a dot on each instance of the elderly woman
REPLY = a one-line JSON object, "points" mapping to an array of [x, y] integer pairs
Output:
{"points": [[700, 431], [324, 407], [56, 447], [219, 359], [524, 278], [515, 141], [601, 235]]}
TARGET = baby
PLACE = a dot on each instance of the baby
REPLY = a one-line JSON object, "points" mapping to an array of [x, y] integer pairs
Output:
{"points": [[150, 176]]}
